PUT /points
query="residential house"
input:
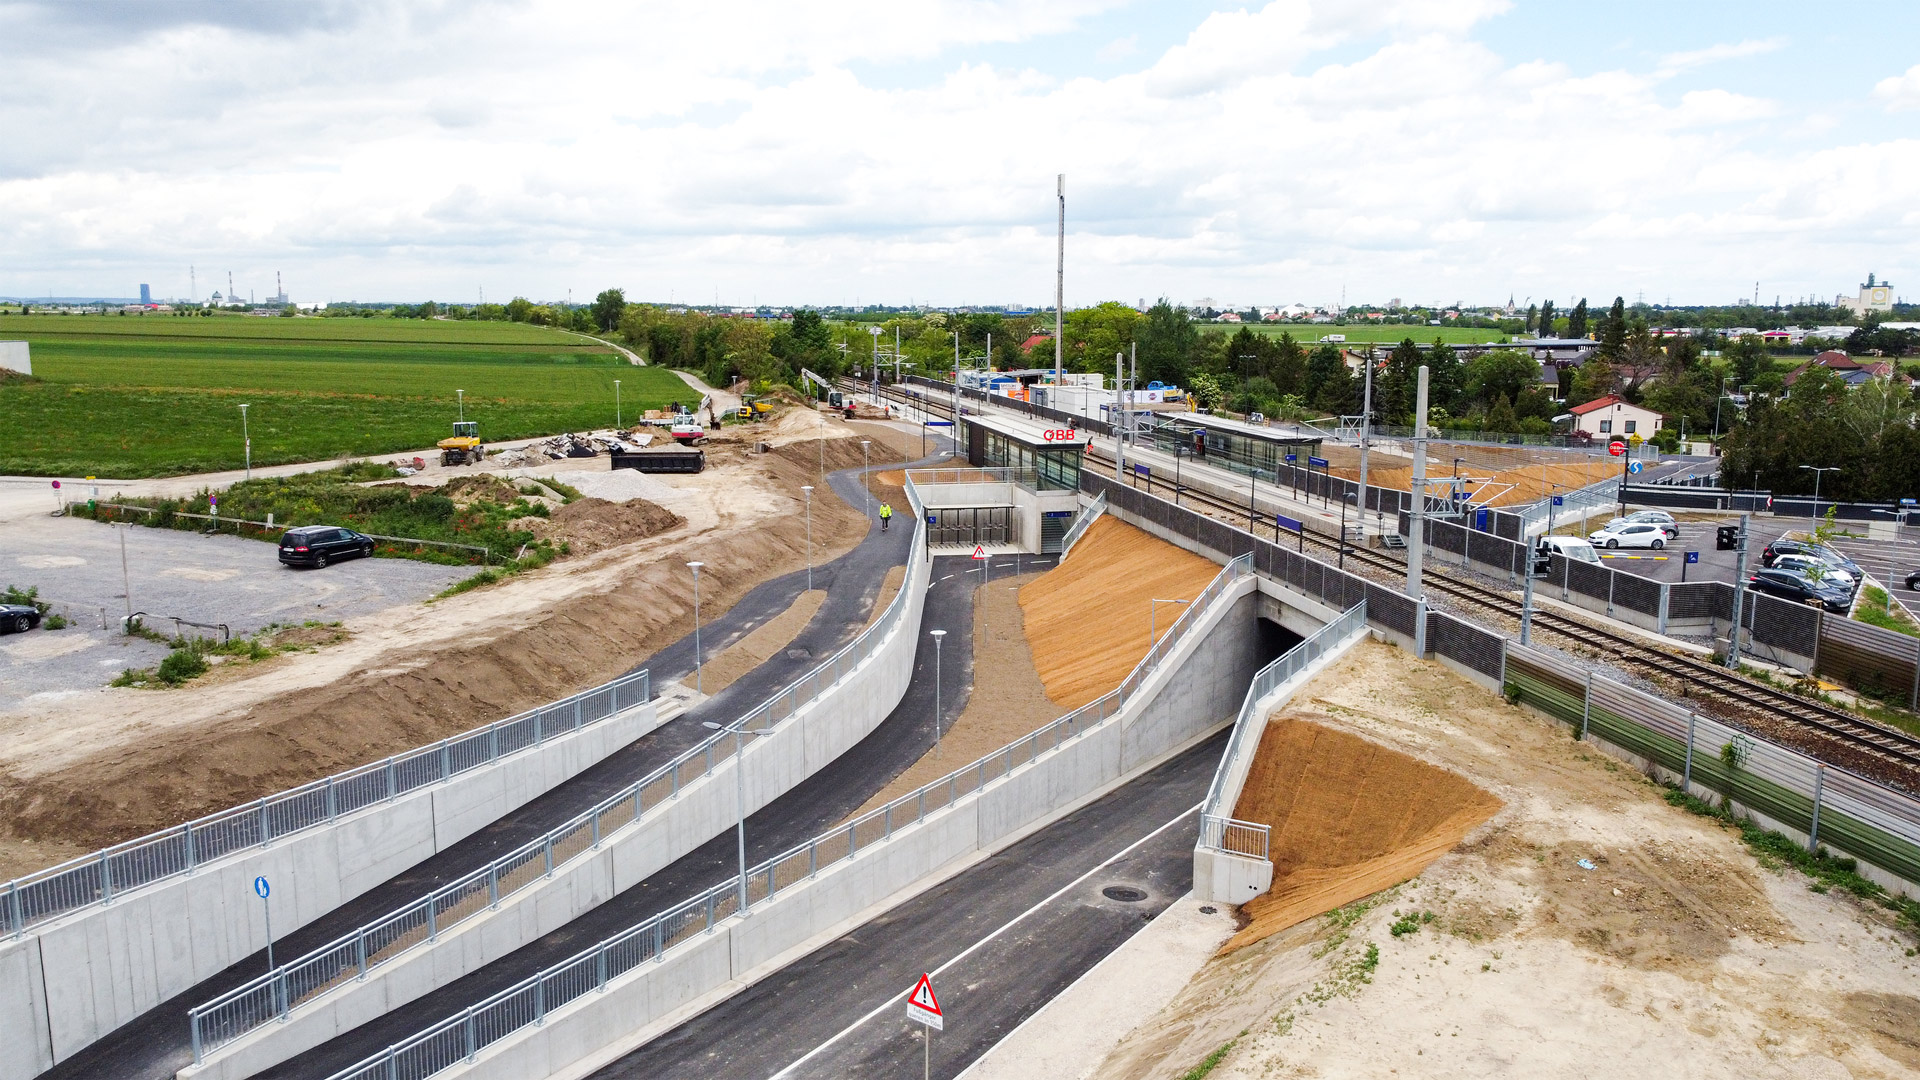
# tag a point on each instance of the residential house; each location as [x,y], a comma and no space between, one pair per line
[1610,416]
[1852,372]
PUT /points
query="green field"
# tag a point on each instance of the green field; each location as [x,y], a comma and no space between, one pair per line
[158,396]
[1311,333]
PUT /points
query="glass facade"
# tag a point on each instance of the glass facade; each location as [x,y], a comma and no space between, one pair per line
[1058,467]
[1234,450]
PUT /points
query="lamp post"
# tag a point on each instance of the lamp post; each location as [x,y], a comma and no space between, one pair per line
[1153,619]
[616,403]
[247,441]
[462,396]
[866,479]
[1341,561]
[937,636]
[808,488]
[1816,470]
[739,798]
[695,567]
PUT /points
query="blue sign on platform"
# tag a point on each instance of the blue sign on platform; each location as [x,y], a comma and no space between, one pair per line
[1559,500]
[1317,461]
[1290,459]
[1480,518]
[1142,470]
[1286,523]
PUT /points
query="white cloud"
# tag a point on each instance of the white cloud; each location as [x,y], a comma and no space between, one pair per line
[1675,62]
[401,150]
[1900,92]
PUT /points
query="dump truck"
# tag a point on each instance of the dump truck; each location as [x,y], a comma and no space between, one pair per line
[464,448]
[752,408]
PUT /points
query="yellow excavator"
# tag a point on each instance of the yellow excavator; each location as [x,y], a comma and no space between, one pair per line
[464,448]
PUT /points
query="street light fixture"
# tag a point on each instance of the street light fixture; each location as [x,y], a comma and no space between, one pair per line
[739,798]
[937,636]
[1816,470]
[1153,623]
[462,395]
[808,488]
[695,567]
[247,440]
[866,479]
[616,403]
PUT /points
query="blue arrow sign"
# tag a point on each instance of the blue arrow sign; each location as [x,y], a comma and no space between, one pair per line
[1634,466]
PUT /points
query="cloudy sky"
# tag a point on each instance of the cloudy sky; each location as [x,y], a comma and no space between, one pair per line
[905,150]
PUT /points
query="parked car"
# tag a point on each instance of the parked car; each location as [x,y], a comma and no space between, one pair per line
[1913,579]
[1793,585]
[1784,546]
[1632,535]
[18,618]
[1650,517]
[1567,547]
[318,545]
[1817,569]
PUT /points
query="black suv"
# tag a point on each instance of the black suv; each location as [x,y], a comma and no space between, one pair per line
[1812,551]
[318,545]
[1796,586]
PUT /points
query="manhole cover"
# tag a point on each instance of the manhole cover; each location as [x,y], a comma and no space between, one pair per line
[1209,909]
[798,654]
[1126,894]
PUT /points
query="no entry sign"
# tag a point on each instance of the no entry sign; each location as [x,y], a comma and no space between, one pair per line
[1616,448]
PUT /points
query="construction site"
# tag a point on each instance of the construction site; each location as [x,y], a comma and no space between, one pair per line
[909,732]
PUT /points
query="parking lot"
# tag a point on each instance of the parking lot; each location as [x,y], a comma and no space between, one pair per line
[1889,562]
[76,565]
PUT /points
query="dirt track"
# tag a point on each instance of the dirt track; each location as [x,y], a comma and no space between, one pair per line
[79,774]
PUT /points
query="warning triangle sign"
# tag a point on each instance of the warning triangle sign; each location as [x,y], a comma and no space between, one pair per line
[979,552]
[923,1006]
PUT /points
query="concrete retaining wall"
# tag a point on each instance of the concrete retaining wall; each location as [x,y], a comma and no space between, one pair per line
[775,763]
[101,967]
[1198,688]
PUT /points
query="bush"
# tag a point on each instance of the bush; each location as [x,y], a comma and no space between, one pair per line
[54,622]
[181,665]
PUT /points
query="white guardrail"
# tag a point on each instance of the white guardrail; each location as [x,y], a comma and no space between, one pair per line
[272,996]
[1219,830]
[99,878]
[459,1037]
[1081,524]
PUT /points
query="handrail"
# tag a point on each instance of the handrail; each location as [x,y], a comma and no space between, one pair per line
[1249,838]
[111,872]
[460,1037]
[1081,524]
[275,994]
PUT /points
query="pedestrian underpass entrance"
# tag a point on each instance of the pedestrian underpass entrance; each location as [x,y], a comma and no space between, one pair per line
[970,525]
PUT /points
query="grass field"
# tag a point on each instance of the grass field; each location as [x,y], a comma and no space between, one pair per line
[157,396]
[1310,333]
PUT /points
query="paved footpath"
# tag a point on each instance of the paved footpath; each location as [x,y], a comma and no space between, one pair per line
[156,1045]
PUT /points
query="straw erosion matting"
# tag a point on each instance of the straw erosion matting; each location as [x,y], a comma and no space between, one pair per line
[106,767]
[1089,621]
[1588,929]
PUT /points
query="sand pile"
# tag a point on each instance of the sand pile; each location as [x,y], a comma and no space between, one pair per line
[1089,626]
[1349,818]
[590,525]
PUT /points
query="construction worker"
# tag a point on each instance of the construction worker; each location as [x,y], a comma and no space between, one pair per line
[886,515]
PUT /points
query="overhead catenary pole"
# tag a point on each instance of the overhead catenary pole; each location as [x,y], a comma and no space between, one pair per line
[1119,432]
[1416,543]
[1739,594]
[1060,283]
[246,440]
[1366,429]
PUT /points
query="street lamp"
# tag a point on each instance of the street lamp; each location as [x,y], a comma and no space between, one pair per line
[695,567]
[866,479]
[1153,619]
[1816,470]
[616,403]
[808,488]
[247,440]
[739,798]
[462,394]
[937,636]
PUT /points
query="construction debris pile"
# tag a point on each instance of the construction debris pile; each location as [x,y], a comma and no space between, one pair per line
[572,445]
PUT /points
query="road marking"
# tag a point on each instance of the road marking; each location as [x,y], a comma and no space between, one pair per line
[976,946]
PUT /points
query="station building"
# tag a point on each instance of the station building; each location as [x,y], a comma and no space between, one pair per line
[1021,491]
[1230,444]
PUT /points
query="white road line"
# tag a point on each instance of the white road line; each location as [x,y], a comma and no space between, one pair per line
[894,1001]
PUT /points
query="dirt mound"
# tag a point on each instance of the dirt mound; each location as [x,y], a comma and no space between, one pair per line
[1349,818]
[479,487]
[1089,623]
[590,525]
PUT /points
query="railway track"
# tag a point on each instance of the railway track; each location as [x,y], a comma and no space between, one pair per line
[1711,681]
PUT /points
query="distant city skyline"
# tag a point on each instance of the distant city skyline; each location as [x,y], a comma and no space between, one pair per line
[1275,154]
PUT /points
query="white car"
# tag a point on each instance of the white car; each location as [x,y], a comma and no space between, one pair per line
[1824,572]
[1630,535]
[1650,517]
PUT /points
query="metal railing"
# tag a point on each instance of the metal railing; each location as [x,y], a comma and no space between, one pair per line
[982,474]
[1081,524]
[275,994]
[112,872]
[486,553]
[460,1037]
[1247,728]
[1249,838]
[1604,495]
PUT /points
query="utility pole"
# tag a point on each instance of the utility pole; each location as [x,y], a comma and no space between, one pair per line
[1059,286]
[1739,594]
[1119,410]
[1417,543]
[1526,600]
[1366,428]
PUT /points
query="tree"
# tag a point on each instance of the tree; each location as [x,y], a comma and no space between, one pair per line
[1613,333]
[1288,369]
[1546,318]
[1446,377]
[519,308]
[1591,380]
[1329,385]
[1167,338]
[1500,373]
[1577,322]
[1533,317]
[1749,358]
[1396,385]
[608,307]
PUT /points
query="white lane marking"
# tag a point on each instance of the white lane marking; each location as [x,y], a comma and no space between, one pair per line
[976,946]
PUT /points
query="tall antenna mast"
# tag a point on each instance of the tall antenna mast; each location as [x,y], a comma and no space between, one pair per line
[193,287]
[229,286]
[1059,285]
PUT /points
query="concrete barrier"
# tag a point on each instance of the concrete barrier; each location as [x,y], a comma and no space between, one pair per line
[105,965]
[1188,696]
[775,762]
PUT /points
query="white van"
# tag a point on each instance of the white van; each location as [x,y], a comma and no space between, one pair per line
[1567,547]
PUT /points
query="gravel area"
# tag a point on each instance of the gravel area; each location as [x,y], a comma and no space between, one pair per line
[208,579]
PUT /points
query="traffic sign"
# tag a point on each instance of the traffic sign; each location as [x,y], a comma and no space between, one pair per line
[1693,556]
[979,552]
[1616,448]
[260,887]
[56,485]
[923,1007]
[1559,500]
[1634,467]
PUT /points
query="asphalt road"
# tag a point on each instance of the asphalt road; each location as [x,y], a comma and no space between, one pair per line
[1001,940]
[1889,562]
[156,1044]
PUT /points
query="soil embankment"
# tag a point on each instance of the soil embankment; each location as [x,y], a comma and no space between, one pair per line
[121,763]
[1089,621]
[1349,818]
